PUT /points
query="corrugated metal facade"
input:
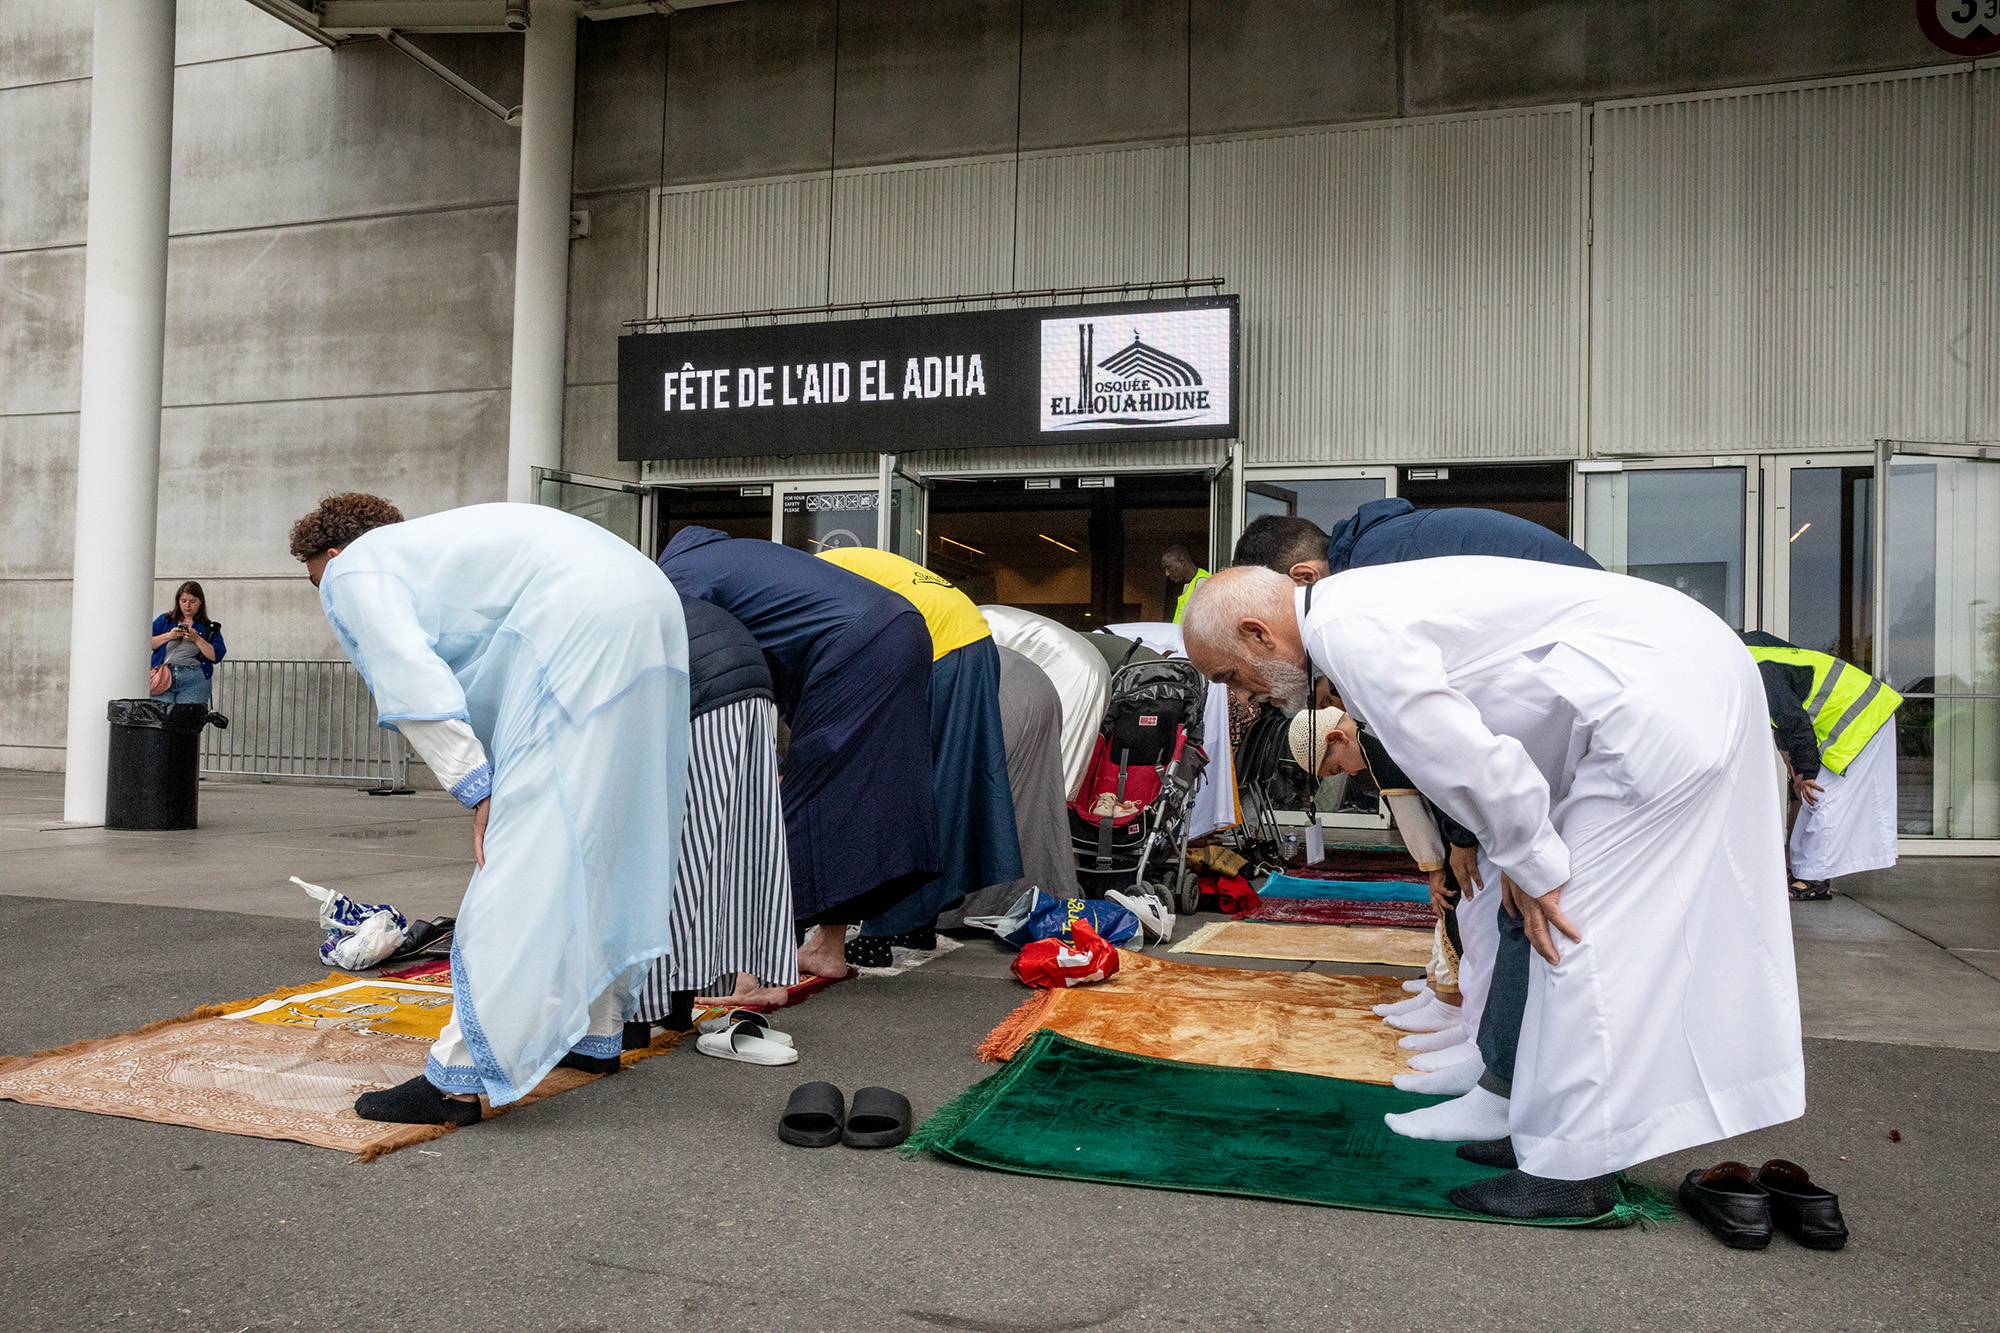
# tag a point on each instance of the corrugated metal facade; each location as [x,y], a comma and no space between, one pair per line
[1790,268]
[1804,267]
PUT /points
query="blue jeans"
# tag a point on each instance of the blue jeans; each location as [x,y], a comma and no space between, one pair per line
[190,687]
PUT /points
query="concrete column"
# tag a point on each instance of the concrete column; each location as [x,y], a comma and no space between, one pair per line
[124,340]
[541,244]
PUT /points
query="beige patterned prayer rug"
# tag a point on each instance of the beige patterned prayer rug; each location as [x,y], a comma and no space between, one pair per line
[287,1065]
[1319,944]
[1306,1022]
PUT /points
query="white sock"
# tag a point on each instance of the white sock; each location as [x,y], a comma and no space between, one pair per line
[1415,984]
[1433,1041]
[1430,1061]
[1476,1117]
[1433,1017]
[1417,1001]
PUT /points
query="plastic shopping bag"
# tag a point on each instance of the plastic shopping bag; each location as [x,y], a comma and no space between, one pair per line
[1051,964]
[1036,915]
[358,935]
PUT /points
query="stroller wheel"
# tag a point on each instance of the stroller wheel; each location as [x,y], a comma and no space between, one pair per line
[1190,894]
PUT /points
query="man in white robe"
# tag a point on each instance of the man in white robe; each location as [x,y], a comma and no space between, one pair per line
[539,665]
[1607,741]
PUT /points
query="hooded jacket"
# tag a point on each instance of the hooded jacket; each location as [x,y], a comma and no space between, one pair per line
[1386,532]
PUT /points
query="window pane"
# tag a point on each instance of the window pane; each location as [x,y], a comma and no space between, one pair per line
[828,520]
[1324,500]
[1832,567]
[1679,527]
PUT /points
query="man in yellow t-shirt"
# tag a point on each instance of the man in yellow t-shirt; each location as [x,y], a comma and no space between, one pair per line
[1179,567]
[978,841]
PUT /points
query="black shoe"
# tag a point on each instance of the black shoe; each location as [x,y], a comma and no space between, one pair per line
[637,1037]
[869,951]
[1518,1194]
[1733,1206]
[417,1102]
[590,1064]
[1493,1152]
[1805,1212]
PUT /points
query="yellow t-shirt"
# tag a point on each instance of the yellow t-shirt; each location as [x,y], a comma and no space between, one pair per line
[953,620]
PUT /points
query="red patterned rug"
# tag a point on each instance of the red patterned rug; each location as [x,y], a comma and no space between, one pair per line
[1344,912]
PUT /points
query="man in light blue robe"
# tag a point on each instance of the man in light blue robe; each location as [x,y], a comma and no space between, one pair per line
[539,664]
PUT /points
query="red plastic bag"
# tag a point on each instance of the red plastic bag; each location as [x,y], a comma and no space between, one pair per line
[1051,964]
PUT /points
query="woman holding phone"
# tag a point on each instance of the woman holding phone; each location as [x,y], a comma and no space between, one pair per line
[187,644]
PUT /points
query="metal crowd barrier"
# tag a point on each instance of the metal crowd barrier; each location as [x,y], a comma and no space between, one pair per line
[301,719]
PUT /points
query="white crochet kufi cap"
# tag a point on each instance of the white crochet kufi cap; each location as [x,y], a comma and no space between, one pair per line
[1308,735]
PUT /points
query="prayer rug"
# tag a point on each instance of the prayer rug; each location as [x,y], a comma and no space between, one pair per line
[1344,912]
[1306,1022]
[1393,860]
[1066,1109]
[1361,891]
[287,1065]
[440,972]
[1318,944]
[1410,876]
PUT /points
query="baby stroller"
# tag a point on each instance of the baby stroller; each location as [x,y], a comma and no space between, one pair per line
[1129,820]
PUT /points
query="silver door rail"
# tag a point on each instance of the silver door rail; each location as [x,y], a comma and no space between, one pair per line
[301,719]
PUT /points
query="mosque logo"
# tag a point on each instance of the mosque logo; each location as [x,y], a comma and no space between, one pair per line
[1165,368]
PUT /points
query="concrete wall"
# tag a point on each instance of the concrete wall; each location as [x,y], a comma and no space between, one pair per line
[341,262]
[339,297]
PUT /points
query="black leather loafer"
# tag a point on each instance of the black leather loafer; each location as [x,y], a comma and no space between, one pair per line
[1805,1212]
[1730,1203]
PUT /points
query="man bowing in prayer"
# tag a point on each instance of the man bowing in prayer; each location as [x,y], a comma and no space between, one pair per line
[1606,739]
[539,666]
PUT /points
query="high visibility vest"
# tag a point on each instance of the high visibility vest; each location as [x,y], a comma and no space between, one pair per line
[1180,607]
[1847,705]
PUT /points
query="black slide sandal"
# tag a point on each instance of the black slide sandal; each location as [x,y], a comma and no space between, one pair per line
[815,1116]
[878,1118]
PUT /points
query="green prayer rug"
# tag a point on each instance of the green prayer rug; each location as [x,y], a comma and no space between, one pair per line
[1064,1108]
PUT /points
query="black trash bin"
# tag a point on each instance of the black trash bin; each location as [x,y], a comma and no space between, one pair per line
[154,782]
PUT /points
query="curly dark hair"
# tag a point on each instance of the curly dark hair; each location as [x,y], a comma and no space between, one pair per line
[338,521]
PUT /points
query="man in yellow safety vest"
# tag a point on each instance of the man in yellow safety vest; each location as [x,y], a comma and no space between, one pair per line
[1179,567]
[1834,724]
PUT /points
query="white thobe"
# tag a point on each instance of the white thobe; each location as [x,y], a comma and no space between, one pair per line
[1609,737]
[1078,671]
[565,652]
[1852,827]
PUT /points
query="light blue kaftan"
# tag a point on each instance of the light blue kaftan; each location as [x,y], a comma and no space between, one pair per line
[565,650]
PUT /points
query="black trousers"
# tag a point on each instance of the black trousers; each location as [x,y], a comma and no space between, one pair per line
[1506,1003]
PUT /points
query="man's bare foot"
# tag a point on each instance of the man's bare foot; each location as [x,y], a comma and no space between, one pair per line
[747,992]
[824,954]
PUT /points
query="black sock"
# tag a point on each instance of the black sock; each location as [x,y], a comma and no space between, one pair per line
[590,1064]
[1493,1152]
[1518,1194]
[416,1102]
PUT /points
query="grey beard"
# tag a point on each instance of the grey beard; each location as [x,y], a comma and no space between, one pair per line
[1289,688]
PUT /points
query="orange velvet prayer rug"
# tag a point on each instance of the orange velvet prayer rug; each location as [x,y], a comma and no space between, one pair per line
[1319,944]
[287,1065]
[1307,1022]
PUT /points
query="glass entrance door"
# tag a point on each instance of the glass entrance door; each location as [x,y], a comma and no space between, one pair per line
[1819,563]
[1678,526]
[825,516]
[619,507]
[1937,597]
[903,496]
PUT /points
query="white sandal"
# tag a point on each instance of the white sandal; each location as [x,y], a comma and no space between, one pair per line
[747,1044]
[750,1018]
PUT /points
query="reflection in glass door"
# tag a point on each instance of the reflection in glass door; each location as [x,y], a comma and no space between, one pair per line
[619,507]
[1940,602]
[819,517]
[1680,527]
[1826,548]
[902,494]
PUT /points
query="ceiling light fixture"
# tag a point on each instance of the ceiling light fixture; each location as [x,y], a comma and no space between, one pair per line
[974,549]
[1065,545]
[1795,536]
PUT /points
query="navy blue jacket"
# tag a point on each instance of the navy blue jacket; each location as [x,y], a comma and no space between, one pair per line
[725,665]
[795,606]
[211,631]
[1387,532]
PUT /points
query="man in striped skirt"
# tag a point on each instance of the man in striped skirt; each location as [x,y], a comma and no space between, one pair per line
[732,908]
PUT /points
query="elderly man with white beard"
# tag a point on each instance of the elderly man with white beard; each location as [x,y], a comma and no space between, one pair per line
[1608,742]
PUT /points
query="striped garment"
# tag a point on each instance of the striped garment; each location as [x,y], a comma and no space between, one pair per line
[732,909]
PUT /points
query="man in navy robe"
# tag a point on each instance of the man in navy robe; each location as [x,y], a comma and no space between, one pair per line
[851,667]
